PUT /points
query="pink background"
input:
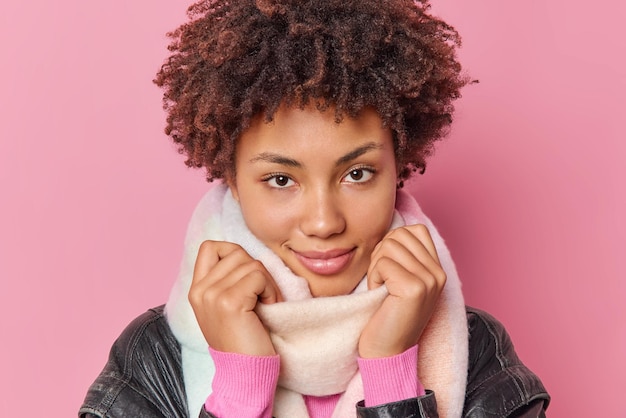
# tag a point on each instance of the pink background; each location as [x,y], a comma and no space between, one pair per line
[526,189]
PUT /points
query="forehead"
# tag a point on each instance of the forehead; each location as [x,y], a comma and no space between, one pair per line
[309,130]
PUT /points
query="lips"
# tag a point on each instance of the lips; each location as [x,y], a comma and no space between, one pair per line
[325,263]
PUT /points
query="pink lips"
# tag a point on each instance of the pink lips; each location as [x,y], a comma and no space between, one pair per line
[326,262]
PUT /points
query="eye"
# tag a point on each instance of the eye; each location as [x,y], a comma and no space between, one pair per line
[359,175]
[279,181]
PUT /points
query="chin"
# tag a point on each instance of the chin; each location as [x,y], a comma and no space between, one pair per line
[328,291]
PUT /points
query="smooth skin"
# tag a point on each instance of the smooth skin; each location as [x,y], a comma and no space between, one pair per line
[321,195]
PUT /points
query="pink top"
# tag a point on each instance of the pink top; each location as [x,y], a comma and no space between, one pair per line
[250,382]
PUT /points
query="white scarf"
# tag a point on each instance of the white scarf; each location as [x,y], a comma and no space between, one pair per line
[330,325]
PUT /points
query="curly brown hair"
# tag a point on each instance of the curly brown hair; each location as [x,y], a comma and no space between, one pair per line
[237,59]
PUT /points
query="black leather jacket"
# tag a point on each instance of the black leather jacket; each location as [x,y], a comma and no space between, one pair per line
[143,377]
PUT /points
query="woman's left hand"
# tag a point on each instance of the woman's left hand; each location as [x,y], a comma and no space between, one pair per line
[406,262]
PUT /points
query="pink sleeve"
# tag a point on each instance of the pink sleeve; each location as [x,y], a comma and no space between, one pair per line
[249,382]
[391,379]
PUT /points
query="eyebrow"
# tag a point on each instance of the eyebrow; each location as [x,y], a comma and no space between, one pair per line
[274,158]
[356,153]
[270,157]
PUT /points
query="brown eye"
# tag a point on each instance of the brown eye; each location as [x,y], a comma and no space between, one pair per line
[356,175]
[359,175]
[279,181]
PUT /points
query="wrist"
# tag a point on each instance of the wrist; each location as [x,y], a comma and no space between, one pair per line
[243,380]
[390,379]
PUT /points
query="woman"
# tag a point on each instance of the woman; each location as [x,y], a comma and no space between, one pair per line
[311,283]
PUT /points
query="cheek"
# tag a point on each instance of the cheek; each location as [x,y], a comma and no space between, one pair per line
[372,219]
[270,224]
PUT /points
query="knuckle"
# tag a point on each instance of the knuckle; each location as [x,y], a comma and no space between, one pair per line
[383,262]
[199,297]
[237,249]
[205,246]
[256,265]
[227,303]
[255,268]
[441,277]
[417,290]
[192,296]
[438,276]
[238,253]
[420,231]
[398,232]
[418,228]
[389,244]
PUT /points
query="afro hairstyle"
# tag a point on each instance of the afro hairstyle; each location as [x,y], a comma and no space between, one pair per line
[238,59]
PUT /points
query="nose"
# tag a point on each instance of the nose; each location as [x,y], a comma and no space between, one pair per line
[322,215]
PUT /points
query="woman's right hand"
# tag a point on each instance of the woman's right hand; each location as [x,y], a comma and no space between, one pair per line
[227,284]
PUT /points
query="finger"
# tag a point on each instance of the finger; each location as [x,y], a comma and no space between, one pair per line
[411,235]
[400,282]
[423,235]
[235,265]
[374,278]
[209,254]
[262,286]
[273,297]
[406,249]
[220,265]
[253,277]
[232,267]
[244,295]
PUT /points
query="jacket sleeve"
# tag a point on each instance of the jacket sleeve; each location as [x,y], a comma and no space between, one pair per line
[422,407]
[498,383]
[142,376]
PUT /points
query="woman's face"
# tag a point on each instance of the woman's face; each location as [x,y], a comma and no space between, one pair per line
[321,195]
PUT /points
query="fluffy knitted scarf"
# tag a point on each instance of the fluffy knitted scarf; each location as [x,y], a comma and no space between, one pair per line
[317,338]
